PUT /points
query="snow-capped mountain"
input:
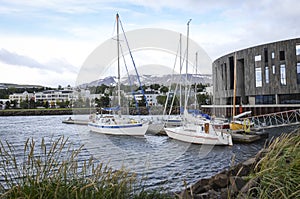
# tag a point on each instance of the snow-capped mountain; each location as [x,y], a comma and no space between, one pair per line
[153,79]
[111,80]
[167,79]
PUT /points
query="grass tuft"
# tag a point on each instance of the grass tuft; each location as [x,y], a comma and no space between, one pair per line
[54,170]
[279,171]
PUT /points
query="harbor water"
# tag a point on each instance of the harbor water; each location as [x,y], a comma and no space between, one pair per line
[164,163]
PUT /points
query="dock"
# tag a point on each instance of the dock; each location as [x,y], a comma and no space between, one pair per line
[78,122]
[267,121]
[249,137]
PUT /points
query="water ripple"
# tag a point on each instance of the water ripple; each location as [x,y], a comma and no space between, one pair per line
[164,162]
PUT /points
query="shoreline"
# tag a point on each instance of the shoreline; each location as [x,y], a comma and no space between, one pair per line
[38,112]
[69,111]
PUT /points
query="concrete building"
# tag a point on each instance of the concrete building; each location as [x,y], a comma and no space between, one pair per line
[54,96]
[265,74]
[149,94]
[18,97]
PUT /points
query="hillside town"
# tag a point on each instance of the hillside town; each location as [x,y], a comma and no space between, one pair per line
[97,96]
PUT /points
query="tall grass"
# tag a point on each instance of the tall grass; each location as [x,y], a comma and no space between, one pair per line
[278,173]
[54,170]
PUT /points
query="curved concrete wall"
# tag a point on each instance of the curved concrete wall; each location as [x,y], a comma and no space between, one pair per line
[266,74]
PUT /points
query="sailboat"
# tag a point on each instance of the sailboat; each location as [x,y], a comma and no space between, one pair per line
[197,133]
[116,124]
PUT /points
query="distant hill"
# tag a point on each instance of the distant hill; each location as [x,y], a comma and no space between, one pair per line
[153,79]
[9,85]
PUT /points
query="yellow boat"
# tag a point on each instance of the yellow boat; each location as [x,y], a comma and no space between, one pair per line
[235,126]
[238,124]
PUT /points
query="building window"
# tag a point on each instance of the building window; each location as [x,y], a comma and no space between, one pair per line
[267,74]
[273,55]
[224,74]
[273,69]
[231,72]
[258,79]
[298,73]
[258,99]
[257,58]
[289,99]
[265,99]
[216,83]
[266,55]
[282,74]
[281,55]
[297,49]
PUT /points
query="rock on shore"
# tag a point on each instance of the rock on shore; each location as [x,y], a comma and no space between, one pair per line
[247,179]
[226,184]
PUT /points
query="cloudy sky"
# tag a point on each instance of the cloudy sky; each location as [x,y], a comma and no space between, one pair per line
[45,42]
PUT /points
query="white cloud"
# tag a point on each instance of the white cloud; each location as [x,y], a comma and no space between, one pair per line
[249,24]
[21,60]
[45,49]
[66,32]
[16,59]
[50,61]
[35,76]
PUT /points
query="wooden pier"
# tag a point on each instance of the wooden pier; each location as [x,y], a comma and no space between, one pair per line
[243,137]
[78,122]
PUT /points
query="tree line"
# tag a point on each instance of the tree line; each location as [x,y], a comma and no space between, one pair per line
[103,101]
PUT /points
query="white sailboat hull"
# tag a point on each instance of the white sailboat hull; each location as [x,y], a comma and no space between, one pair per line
[138,129]
[192,136]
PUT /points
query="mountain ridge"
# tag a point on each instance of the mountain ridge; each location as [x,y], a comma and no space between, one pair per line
[10,85]
[151,79]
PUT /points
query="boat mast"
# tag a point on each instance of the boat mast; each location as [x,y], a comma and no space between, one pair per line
[195,88]
[234,86]
[180,68]
[187,63]
[118,49]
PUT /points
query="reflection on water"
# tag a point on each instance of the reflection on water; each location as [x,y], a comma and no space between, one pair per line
[165,162]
